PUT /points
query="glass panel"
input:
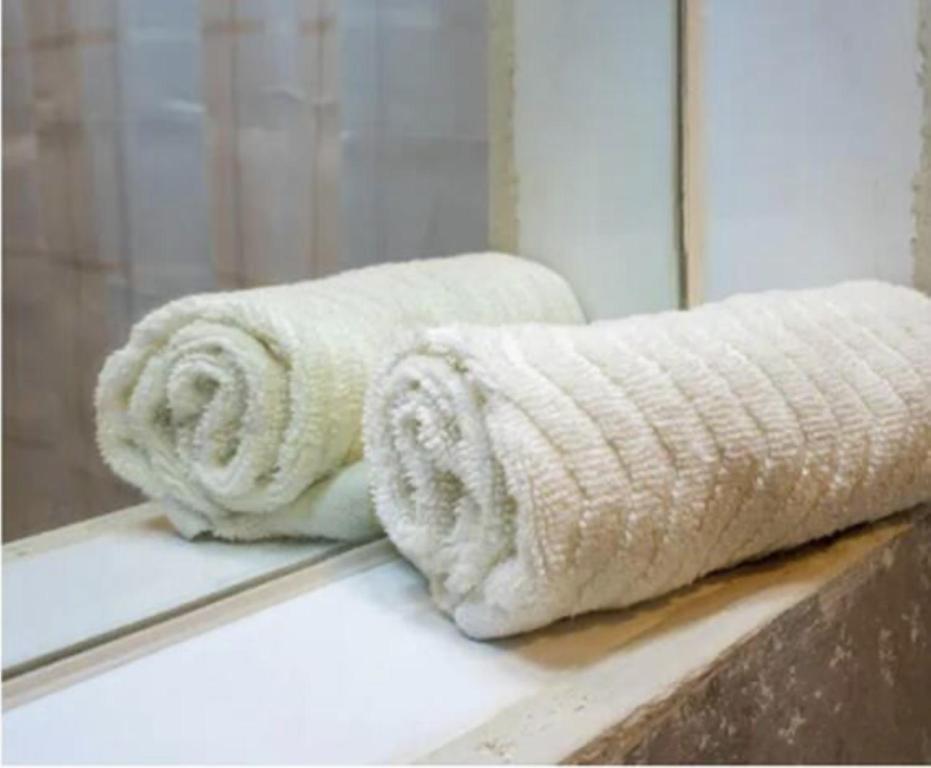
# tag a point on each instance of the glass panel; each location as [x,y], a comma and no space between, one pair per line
[154,150]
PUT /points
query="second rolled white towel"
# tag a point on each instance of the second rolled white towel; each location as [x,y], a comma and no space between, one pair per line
[231,407]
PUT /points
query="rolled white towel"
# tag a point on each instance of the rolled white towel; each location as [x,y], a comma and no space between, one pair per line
[242,410]
[534,473]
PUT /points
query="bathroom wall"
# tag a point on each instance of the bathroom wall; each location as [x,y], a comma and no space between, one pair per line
[811,139]
[594,133]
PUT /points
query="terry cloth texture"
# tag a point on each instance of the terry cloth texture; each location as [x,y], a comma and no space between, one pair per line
[533,473]
[233,408]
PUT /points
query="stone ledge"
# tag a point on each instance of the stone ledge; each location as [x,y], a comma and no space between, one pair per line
[842,677]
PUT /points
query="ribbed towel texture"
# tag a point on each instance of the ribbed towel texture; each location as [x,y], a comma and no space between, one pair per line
[534,473]
[242,410]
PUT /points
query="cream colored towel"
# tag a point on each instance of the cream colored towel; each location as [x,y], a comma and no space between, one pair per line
[534,473]
[242,411]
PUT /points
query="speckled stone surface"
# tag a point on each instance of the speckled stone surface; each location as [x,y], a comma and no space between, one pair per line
[843,677]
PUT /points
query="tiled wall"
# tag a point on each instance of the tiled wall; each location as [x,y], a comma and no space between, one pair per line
[811,139]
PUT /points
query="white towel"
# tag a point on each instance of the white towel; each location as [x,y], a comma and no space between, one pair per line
[230,407]
[534,473]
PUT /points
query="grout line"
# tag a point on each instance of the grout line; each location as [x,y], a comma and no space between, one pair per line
[691,165]
[679,154]
[921,198]
[503,226]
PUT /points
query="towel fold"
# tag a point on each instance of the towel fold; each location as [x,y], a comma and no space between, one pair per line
[239,410]
[337,507]
[534,473]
